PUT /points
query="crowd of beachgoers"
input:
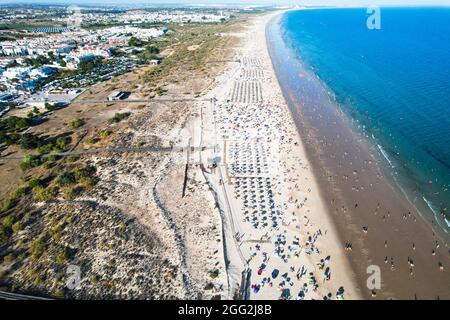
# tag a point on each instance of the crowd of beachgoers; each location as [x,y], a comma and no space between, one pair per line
[281,228]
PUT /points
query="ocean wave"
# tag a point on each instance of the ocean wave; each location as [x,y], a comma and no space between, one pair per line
[386,156]
[436,215]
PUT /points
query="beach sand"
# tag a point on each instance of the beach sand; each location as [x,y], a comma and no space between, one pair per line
[301,191]
[280,241]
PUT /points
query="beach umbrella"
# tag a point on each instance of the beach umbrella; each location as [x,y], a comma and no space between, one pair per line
[285,294]
[275,273]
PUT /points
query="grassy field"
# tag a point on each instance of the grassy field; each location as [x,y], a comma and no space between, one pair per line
[191,48]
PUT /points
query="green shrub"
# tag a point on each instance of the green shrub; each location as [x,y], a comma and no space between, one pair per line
[77,123]
[37,248]
[9,258]
[135,42]
[14,122]
[46,148]
[49,106]
[29,141]
[84,172]
[19,193]
[30,161]
[63,142]
[63,256]
[27,216]
[9,139]
[35,182]
[59,293]
[7,204]
[71,193]
[119,117]
[50,158]
[71,159]
[152,49]
[45,194]
[5,233]
[48,165]
[92,140]
[8,221]
[85,175]
[18,226]
[66,178]
[55,232]
[88,181]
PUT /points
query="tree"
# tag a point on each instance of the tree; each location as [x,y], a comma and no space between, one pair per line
[88,65]
[30,161]
[46,148]
[38,61]
[9,139]
[62,142]
[14,122]
[50,106]
[135,42]
[29,141]
[152,49]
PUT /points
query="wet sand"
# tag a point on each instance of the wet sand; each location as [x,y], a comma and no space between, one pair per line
[371,215]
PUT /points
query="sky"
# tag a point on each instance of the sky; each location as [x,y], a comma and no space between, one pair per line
[248,2]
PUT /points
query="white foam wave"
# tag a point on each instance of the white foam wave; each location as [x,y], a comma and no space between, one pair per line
[385,155]
[436,215]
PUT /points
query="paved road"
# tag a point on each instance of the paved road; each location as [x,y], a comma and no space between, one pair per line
[88,101]
[81,101]
[112,150]
[15,296]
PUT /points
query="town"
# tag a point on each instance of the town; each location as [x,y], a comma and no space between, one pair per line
[50,55]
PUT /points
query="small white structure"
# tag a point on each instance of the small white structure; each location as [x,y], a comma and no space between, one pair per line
[116,95]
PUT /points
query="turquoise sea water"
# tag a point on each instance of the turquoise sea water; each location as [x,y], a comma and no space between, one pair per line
[393,82]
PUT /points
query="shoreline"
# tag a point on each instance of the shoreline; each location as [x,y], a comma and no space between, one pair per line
[347,204]
[394,167]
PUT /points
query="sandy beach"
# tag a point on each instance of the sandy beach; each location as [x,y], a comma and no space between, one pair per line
[306,207]
[280,241]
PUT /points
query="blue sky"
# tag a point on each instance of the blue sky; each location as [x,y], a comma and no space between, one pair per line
[271,2]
